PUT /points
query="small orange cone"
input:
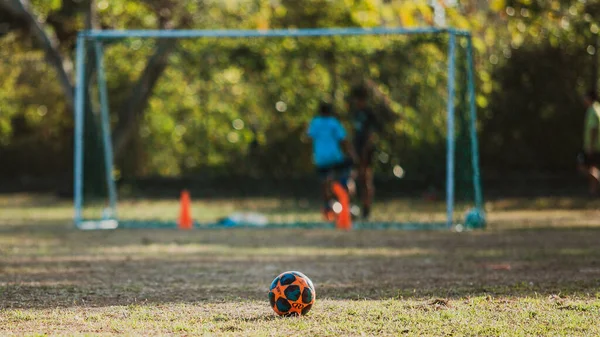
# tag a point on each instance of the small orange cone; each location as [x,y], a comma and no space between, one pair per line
[344,219]
[185,215]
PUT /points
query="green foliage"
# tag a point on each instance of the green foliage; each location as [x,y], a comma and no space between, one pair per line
[32,110]
[273,86]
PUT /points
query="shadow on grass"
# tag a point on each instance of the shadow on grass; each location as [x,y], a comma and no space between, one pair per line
[54,266]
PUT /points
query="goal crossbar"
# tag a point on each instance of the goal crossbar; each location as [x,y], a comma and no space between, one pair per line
[246,33]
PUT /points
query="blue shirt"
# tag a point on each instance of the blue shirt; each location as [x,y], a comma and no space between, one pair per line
[327,132]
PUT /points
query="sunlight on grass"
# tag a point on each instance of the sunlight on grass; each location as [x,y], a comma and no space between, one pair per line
[534,272]
[247,252]
[465,316]
[24,209]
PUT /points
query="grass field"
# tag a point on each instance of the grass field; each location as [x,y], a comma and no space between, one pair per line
[535,271]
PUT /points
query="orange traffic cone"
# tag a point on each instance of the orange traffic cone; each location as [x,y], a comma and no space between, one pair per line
[344,219]
[185,214]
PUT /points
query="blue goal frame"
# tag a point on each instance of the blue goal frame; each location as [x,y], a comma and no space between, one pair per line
[96,37]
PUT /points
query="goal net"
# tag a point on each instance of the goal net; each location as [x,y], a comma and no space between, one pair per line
[223,116]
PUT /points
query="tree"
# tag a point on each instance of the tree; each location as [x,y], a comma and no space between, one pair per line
[174,103]
[56,37]
[18,12]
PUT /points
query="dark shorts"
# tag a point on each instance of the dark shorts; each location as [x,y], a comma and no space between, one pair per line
[339,171]
[364,149]
[592,159]
[366,155]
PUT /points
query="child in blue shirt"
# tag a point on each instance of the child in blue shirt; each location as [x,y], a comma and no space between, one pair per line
[332,153]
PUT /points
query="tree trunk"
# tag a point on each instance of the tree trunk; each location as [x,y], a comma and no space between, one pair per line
[94,159]
[594,70]
[133,109]
[385,102]
[91,19]
[64,67]
[331,62]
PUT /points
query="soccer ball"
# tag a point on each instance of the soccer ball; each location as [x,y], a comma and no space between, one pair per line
[292,294]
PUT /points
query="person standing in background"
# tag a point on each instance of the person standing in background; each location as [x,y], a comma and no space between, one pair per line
[589,159]
[364,124]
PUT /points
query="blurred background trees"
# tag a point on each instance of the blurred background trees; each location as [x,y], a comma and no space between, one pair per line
[206,106]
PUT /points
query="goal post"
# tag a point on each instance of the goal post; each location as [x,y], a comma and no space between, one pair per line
[95,40]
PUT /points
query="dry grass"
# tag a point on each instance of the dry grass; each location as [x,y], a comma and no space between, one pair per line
[535,271]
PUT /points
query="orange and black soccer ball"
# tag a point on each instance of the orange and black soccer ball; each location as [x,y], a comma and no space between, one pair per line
[292,294]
